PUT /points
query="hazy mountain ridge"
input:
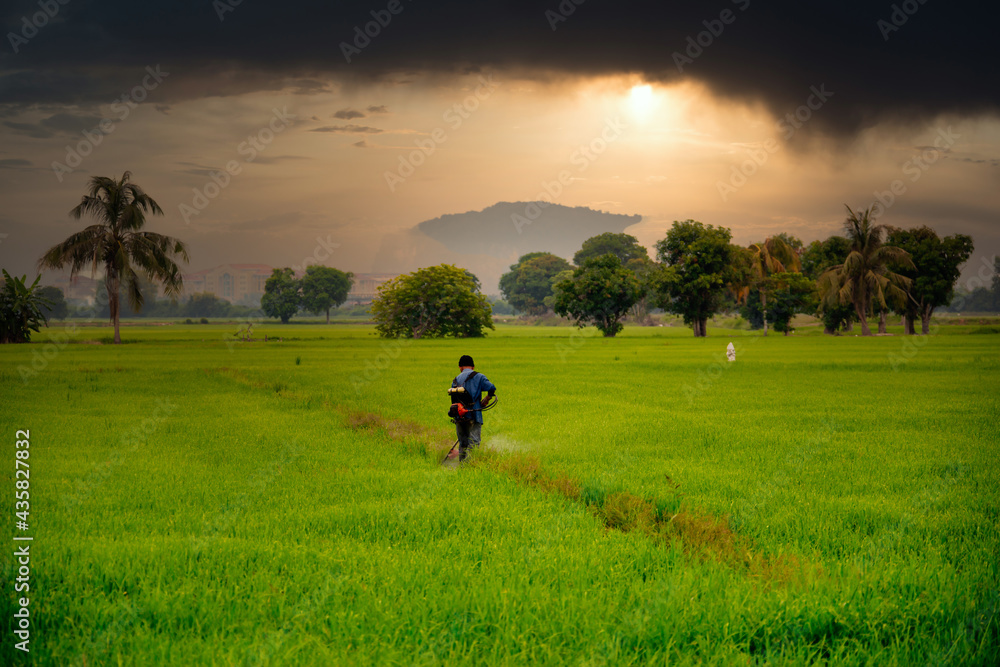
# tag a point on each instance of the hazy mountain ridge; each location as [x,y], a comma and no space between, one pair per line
[487,242]
[506,228]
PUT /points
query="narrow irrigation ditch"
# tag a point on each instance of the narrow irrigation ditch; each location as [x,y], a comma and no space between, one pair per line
[700,534]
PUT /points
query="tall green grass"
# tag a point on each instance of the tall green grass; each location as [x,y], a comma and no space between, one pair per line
[202,502]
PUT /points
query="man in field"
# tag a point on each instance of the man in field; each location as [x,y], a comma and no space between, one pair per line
[469,431]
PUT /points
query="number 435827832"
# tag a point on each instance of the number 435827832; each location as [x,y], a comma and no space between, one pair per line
[21,454]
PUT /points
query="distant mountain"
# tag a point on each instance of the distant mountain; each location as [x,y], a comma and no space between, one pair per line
[487,242]
[517,228]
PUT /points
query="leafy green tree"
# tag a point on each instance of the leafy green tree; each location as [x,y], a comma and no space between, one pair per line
[324,288]
[792,293]
[865,279]
[529,282]
[601,291]
[624,246]
[979,299]
[166,308]
[435,302]
[149,306]
[774,255]
[935,269]
[836,317]
[648,273]
[21,309]
[501,307]
[740,281]
[562,276]
[792,242]
[818,257]
[206,304]
[117,245]
[699,267]
[281,295]
[58,310]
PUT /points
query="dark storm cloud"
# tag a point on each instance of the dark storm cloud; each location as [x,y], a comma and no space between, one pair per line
[309,87]
[378,108]
[15,163]
[991,162]
[348,129]
[29,129]
[196,169]
[902,61]
[60,123]
[278,159]
[349,114]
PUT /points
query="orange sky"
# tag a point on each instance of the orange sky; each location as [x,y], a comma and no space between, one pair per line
[619,144]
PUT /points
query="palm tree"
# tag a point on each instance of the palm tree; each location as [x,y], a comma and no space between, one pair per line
[864,279]
[117,245]
[774,255]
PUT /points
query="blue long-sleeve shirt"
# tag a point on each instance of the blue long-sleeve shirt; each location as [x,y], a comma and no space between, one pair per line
[476,386]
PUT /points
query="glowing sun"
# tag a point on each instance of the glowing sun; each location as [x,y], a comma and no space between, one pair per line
[642,101]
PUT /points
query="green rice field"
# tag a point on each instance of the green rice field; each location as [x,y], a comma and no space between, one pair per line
[637,500]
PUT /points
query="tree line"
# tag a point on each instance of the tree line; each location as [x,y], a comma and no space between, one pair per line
[133,261]
[869,271]
[321,289]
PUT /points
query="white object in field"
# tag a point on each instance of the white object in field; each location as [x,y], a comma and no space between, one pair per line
[731,352]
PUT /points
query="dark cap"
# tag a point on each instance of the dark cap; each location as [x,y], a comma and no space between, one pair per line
[466,360]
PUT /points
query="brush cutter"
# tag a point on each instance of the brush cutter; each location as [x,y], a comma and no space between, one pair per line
[462,410]
[449,452]
[461,407]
